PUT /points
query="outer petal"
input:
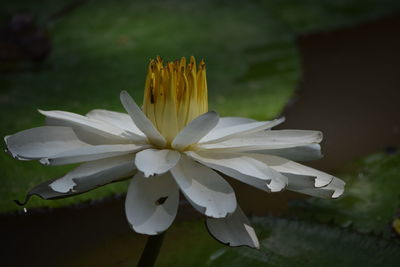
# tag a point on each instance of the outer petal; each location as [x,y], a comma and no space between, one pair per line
[230,121]
[233,131]
[96,173]
[42,142]
[89,153]
[90,129]
[151,203]
[118,119]
[156,161]
[299,153]
[287,166]
[234,230]
[141,121]
[195,130]
[243,168]
[300,182]
[275,139]
[85,177]
[205,189]
[333,190]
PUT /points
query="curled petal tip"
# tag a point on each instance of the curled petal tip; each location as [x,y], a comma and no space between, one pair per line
[45,161]
[24,202]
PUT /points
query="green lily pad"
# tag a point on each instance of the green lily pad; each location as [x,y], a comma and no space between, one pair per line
[295,243]
[370,201]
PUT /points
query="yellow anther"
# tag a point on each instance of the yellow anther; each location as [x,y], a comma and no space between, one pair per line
[175,94]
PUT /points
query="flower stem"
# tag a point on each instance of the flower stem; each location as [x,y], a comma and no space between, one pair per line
[151,250]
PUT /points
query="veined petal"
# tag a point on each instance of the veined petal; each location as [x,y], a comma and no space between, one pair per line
[243,168]
[195,130]
[85,177]
[208,192]
[333,190]
[233,131]
[298,153]
[118,119]
[156,161]
[89,153]
[92,174]
[40,142]
[151,203]
[231,121]
[88,126]
[287,166]
[274,139]
[234,230]
[141,121]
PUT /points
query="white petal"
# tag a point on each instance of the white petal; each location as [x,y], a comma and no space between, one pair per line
[243,168]
[151,203]
[156,161]
[275,139]
[94,174]
[299,182]
[195,130]
[141,121]
[234,230]
[118,119]
[287,166]
[89,153]
[230,121]
[338,186]
[333,190]
[42,142]
[229,132]
[299,153]
[85,177]
[90,127]
[208,192]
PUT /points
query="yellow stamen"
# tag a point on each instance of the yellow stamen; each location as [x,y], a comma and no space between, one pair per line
[175,94]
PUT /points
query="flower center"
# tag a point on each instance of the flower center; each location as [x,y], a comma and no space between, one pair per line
[175,94]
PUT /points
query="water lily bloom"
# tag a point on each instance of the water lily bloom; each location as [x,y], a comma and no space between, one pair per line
[174,144]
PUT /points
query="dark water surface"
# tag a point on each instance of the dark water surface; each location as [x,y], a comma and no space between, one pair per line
[350,90]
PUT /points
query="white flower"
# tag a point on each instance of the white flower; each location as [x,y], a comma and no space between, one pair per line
[175,144]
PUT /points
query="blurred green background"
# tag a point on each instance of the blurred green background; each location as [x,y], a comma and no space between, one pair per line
[99,48]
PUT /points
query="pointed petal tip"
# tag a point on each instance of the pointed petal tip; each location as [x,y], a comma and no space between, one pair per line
[123,93]
[63,186]
[233,231]
[141,121]
[43,112]
[319,183]
[279,120]
[338,193]
[214,112]
[45,161]
[320,137]
[125,96]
